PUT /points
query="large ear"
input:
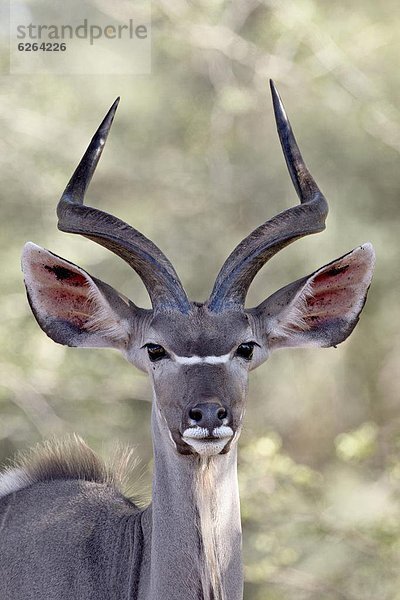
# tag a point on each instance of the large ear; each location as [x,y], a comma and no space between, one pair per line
[72,307]
[321,309]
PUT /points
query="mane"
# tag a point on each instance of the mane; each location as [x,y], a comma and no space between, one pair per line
[68,458]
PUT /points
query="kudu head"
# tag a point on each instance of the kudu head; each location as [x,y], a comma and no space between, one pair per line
[198,355]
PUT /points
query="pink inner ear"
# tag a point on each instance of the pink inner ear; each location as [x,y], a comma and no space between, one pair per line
[48,274]
[326,307]
[331,294]
[337,291]
[65,275]
[68,302]
[60,291]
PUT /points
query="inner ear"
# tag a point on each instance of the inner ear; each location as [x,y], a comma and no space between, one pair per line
[321,309]
[335,292]
[72,307]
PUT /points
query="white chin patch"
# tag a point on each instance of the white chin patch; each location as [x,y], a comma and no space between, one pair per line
[199,439]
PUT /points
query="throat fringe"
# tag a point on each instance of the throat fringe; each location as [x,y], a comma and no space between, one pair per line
[209,526]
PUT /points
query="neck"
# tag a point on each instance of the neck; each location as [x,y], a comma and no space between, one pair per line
[196,533]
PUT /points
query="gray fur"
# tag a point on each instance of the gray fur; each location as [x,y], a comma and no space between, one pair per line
[59,539]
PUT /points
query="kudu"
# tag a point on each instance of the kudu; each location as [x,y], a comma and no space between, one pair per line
[66,529]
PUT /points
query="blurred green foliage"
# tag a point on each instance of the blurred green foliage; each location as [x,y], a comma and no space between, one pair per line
[193,162]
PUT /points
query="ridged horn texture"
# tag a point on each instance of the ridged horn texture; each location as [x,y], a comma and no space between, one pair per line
[155,270]
[256,249]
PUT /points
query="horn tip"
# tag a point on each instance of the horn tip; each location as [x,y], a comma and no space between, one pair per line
[115,104]
[274,91]
[106,124]
[279,109]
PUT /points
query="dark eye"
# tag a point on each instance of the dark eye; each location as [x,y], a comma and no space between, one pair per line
[155,352]
[245,350]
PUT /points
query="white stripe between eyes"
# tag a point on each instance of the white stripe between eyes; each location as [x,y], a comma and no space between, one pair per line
[194,360]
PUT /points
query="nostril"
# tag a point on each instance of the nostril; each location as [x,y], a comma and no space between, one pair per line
[222,414]
[195,414]
[207,415]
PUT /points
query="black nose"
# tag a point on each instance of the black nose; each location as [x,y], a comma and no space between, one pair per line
[208,415]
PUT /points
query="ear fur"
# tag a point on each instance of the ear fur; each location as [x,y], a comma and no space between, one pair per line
[321,309]
[72,307]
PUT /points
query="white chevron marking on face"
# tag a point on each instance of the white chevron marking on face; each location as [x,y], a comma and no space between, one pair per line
[195,360]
